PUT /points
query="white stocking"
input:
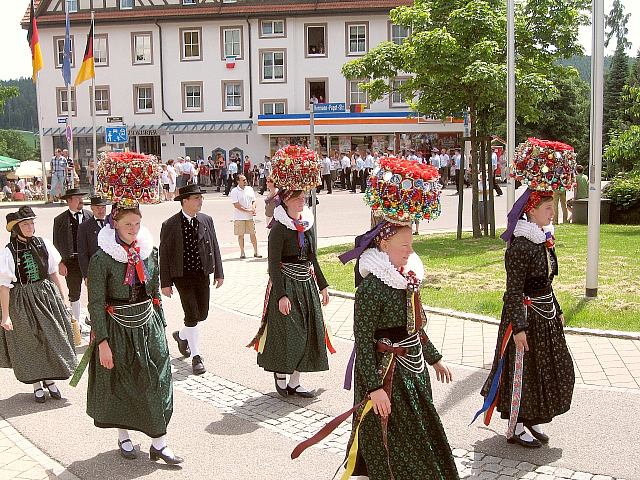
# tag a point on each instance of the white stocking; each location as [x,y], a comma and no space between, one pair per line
[122,436]
[192,335]
[76,310]
[160,443]
[294,381]
[522,433]
[36,386]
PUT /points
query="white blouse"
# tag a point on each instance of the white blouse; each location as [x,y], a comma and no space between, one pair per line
[8,266]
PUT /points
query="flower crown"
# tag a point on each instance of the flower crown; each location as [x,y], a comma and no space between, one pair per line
[545,165]
[404,191]
[295,168]
[128,174]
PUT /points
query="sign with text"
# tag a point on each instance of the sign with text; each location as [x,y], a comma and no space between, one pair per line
[62,119]
[329,108]
[115,120]
[116,134]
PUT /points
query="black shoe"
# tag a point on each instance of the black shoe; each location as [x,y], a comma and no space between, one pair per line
[168,459]
[183,345]
[294,391]
[55,394]
[525,443]
[128,454]
[37,398]
[282,391]
[198,365]
[543,437]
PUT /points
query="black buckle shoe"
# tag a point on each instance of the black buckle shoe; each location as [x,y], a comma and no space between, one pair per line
[128,454]
[543,437]
[524,443]
[168,459]
[198,365]
[295,391]
[55,394]
[282,391]
[39,399]
[183,345]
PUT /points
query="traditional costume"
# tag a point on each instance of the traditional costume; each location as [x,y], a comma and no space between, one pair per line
[297,342]
[391,345]
[39,348]
[531,388]
[88,236]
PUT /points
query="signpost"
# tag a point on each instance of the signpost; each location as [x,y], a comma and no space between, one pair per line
[329,108]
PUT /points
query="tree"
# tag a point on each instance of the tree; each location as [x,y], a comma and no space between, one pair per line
[13,145]
[456,56]
[21,112]
[613,88]
[622,154]
[5,94]
[616,24]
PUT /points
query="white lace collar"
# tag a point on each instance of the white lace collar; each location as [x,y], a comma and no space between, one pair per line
[107,242]
[280,214]
[532,232]
[373,261]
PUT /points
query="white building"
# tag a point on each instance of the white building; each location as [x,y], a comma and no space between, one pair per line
[198,77]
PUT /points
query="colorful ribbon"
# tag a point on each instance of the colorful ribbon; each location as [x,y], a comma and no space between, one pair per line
[82,366]
[135,265]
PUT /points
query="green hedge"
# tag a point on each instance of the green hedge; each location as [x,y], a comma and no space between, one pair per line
[624,190]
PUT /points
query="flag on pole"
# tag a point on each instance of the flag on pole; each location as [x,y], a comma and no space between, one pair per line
[66,59]
[34,44]
[87,69]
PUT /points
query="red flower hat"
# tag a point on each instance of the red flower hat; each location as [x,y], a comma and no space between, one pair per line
[545,165]
[296,168]
[128,174]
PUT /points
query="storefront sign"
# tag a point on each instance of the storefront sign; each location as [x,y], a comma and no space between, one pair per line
[143,133]
[329,108]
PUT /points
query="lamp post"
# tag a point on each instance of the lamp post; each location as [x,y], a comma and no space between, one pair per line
[511,101]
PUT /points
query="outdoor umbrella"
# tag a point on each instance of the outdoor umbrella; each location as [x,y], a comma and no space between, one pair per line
[7,163]
[30,169]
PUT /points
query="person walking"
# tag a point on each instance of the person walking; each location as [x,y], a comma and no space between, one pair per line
[130,386]
[58,165]
[325,170]
[232,176]
[244,211]
[189,254]
[494,169]
[36,338]
[88,233]
[560,197]
[270,201]
[345,175]
[171,174]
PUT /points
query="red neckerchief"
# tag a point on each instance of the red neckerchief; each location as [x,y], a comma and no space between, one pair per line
[135,265]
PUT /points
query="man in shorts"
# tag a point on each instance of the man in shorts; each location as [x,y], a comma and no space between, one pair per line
[244,203]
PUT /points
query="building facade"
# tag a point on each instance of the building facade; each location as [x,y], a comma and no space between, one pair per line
[198,77]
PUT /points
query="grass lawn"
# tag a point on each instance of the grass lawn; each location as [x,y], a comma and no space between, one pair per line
[29,137]
[469,275]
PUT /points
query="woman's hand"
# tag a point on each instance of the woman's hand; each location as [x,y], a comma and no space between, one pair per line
[325,296]
[284,305]
[443,373]
[106,357]
[7,324]
[381,402]
[521,340]
[62,269]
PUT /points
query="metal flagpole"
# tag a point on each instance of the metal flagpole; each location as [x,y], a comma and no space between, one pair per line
[93,116]
[595,159]
[312,144]
[40,128]
[69,129]
[511,101]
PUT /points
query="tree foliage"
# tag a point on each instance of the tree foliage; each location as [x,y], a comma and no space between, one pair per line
[13,145]
[616,25]
[613,90]
[20,112]
[5,94]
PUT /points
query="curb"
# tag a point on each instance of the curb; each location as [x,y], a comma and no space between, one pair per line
[494,321]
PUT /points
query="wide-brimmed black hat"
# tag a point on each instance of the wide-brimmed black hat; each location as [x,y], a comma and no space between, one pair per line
[74,192]
[98,201]
[23,213]
[184,192]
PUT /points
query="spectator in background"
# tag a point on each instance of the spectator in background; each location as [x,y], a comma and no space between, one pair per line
[255,176]
[366,171]
[335,167]
[444,167]
[18,195]
[247,170]
[325,170]
[58,166]
[221,167]
[232,176]
[244,203]
[164,176]
[270,201]
[345,175]
[582,189]
[178,167]
[494,168]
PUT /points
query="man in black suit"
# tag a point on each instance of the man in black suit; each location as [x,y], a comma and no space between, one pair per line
[189,253]
[88,233]
[65,239]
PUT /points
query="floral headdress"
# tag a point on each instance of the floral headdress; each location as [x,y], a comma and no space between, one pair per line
[545,165]
[404,191]
[295,168]
[128,174]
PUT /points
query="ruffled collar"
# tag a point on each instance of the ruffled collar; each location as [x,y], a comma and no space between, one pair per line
[373,261]
[107,242]
[532,232]
[280,214]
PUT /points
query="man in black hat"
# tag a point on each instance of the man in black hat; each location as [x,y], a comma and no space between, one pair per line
[88,233]
[189,253]
[65,239]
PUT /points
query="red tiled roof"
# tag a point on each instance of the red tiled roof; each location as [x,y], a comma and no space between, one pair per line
[252,9]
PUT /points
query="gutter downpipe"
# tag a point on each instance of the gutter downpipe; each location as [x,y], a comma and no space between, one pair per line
[250,71]
[161,72]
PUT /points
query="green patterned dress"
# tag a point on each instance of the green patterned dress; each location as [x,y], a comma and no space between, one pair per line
[137,393]
[418,446]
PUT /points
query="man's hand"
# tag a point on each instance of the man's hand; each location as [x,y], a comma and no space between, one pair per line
[219,282]
[62,269]
[167,291]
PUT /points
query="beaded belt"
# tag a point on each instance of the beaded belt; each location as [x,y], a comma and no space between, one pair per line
[414,362]
[543,305]
[296,271]
[134,315]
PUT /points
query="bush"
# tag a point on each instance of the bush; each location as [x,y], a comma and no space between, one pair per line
[624,190]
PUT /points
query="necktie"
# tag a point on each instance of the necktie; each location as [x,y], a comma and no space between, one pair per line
[100,223]
[78,216]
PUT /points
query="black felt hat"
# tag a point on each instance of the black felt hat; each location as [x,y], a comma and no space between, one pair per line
[98,201]
[184,192]
[23,213]
[74,192]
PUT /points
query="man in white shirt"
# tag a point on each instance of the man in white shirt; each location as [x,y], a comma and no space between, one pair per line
[494,167]
[244,203]
[345,175]
[444,167]
[178,168]
[360,173]
[325,170]
[232,176]
[435,159]
[188,171]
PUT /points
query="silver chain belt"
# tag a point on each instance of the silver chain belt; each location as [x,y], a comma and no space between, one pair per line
[134,320]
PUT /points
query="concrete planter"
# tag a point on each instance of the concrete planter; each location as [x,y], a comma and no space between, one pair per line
[580,212]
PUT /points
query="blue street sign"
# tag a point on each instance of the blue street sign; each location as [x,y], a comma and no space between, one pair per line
[329,108]
[116,134]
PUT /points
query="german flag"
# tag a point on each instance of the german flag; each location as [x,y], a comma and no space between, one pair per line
[87,69]
[34,44]
[357,107]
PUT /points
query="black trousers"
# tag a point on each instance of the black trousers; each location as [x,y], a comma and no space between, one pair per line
[73,278]
[194,293]
[355,178]
[346,178]
[326,182]
[232,181]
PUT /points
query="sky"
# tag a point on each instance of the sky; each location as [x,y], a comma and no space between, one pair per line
[15,57]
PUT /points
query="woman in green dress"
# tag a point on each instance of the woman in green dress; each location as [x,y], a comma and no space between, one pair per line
[130,385]
[36,339]
[292,337]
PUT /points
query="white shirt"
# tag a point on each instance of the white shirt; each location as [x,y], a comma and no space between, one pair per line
[456,159]
[165,176]
[178,167]
[494,160]
[368,162]
[245,197]
[233,169]
[171,173]
[187,168]
[345,162]
[326,166]
[435,161]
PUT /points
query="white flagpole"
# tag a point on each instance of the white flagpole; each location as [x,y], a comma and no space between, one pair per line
[93,115]
[511,102]
[40,128]
[69,128]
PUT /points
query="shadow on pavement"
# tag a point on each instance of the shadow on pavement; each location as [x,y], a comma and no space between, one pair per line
[110,465]
[498,446]
[231,425]
[462,388]
[22,404]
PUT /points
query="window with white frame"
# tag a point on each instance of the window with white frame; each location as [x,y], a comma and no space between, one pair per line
[272,28]
[100,50]
[190,39]
[58,46]
[232,96]
[143,98]
[399,33]
[141,48]
[232,42]
[102,101]
[356,38]
[63,101]
[72,6]
[274,107]
[273,66]
[316,40]
[192,97]
[126,4]
[356,93]
[398,99]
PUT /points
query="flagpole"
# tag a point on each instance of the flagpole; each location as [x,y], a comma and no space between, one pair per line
[93,116]
[69,129]
[40,128]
